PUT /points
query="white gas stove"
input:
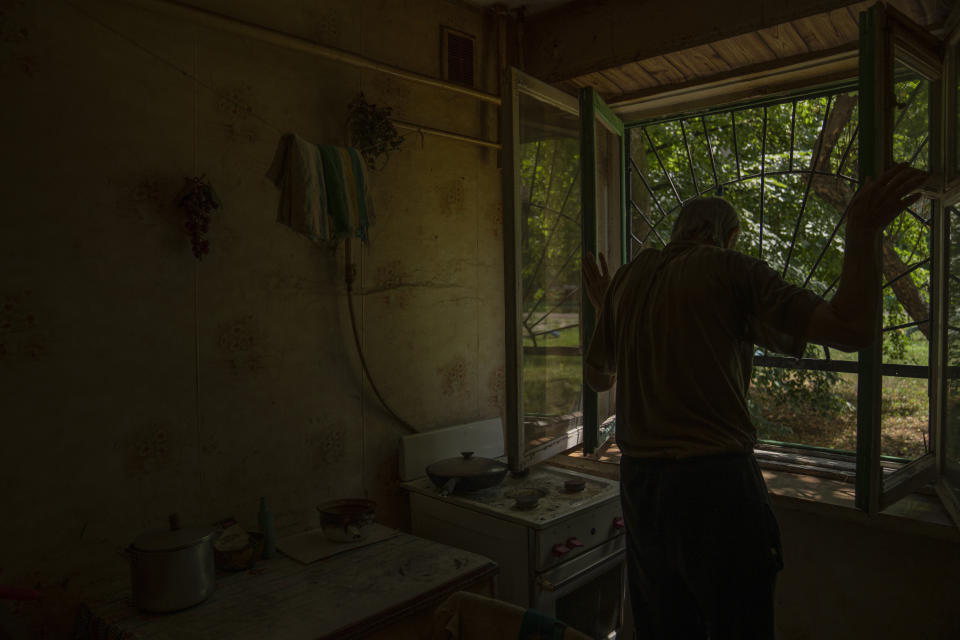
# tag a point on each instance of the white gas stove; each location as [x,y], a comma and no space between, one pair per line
[562,555]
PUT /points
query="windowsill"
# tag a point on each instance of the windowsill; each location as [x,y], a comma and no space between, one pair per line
[916,514]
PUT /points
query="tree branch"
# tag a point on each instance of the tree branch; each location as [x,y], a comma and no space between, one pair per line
[838,193]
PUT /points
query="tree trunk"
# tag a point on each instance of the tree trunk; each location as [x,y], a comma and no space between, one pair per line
[838,193]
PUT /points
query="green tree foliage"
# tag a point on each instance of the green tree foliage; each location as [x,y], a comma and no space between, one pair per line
[789,168]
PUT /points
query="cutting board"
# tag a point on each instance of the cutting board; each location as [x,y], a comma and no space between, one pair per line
[310,546]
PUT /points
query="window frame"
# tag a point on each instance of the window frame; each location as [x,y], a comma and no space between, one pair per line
[594,114]
[595,427]
[886,35]
[515,83]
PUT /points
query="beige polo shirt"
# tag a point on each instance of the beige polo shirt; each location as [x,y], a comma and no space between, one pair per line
[679,328]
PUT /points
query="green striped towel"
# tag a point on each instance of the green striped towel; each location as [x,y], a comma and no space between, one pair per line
[323,189]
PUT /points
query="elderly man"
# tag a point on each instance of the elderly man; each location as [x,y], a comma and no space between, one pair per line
[677,329]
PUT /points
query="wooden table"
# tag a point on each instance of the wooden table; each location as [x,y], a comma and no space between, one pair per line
[386,589]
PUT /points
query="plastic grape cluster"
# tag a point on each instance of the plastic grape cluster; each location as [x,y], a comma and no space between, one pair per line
[198,200]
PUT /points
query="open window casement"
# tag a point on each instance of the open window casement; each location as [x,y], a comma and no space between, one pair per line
[552,161]
[605,230]
[908,114]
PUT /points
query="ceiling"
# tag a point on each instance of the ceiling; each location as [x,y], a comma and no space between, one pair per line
[815,36]
[529,6]
[804,42]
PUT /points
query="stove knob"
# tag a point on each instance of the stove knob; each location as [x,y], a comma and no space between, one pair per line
[618,523]
[573,543]
[560,550]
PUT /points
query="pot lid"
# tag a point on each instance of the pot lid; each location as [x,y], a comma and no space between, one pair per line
[466,466]
[172,538]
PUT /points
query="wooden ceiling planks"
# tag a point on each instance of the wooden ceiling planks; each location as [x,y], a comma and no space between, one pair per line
[661,70]
[827,32]
[783,40]
[698,61]
[639,76]
[617,76]
[743,50]
[600,82]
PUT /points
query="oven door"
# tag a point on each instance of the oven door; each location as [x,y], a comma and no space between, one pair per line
[586,592]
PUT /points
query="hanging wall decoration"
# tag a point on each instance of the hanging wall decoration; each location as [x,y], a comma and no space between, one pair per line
[371,132]
[198,200]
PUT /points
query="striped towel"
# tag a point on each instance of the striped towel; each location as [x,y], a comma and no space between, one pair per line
[323,189]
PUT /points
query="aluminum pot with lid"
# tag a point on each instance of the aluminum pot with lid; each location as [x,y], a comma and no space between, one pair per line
[172,569]
[466,473]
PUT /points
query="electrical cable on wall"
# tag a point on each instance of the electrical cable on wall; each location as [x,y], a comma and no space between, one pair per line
[348,277]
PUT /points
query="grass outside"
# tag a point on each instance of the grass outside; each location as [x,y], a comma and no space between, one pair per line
[551,384]
[904,408]
[552,387]
[905,412]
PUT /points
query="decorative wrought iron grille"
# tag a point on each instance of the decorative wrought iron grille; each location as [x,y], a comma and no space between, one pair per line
[790,166]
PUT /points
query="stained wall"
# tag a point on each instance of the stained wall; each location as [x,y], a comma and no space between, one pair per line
[137,381]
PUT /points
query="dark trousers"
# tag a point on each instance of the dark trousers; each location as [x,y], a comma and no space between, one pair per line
[703,548]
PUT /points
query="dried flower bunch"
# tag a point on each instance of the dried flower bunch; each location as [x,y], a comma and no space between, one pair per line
[371,131]
[198,200]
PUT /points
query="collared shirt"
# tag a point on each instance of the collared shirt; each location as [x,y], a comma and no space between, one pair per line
[678,327]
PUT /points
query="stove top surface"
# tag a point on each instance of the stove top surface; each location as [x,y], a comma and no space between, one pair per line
[548,484]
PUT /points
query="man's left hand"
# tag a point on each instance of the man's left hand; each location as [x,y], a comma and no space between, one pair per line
[596,279]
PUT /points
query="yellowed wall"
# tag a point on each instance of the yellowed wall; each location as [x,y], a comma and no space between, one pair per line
[846,579]
[136,381]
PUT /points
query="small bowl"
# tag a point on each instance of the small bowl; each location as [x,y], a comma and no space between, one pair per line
[240,559]
[347,520]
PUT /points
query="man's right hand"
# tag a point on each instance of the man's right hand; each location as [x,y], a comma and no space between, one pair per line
[849,320]
[881,199]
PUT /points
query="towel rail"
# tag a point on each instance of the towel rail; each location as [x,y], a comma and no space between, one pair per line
[447,134]
[239,27]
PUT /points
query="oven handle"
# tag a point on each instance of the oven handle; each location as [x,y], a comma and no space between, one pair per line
[548,585]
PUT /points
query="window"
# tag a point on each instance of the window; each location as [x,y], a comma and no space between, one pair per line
[886,417]
[562,163]
[542,234]
[790,166]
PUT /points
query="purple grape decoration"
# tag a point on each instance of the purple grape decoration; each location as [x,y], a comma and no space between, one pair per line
[198,200]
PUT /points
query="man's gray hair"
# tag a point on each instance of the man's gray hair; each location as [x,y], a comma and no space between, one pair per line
[706,220]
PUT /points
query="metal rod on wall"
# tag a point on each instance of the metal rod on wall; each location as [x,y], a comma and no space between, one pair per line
[446,134]
[239,27]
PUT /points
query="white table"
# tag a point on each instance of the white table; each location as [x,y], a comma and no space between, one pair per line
[350,595]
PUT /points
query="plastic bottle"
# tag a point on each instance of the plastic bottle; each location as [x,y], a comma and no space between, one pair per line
[266,528]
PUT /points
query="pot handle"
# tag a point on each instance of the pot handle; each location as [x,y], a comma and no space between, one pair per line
[448,488]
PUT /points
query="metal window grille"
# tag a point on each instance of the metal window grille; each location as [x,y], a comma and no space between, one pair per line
[790,166]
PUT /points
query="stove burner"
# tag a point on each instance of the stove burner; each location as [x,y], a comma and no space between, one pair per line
[574,485]
[527,501]
[526,498]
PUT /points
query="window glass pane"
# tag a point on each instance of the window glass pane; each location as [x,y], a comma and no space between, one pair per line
[550,269]
[951,431]
[608,220]
[813,408]
[911,117]
[905,407]
[653,202]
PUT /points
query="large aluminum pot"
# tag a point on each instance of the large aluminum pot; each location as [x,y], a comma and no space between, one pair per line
[172,569]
